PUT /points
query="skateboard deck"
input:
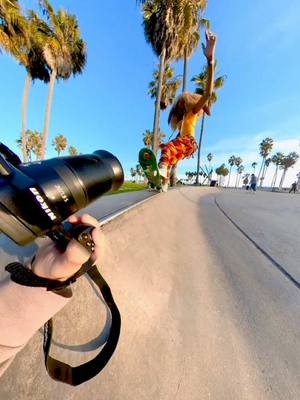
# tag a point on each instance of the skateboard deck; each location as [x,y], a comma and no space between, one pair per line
[148,162]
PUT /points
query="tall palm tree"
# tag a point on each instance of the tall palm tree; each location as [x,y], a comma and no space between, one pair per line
[231,162]
[189,38]
[59,143]
[30,54]
[276,159]
[64,52]
[12,24]
[237,162]
[209,159]
[286,163]
[240,170]
[170,85]
[266,165]
[201,82]
[253,165]
[265,148]
[162,21]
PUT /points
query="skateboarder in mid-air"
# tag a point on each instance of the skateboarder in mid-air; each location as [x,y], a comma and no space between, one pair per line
[187,109]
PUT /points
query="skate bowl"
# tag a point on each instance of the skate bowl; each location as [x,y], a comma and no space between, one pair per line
[148,276]
[203,311]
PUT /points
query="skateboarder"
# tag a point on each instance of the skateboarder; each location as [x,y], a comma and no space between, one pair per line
[187,109]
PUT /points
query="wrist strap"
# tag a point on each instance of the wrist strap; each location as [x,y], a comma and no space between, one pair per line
[59,370]
[24,276]
[74,376]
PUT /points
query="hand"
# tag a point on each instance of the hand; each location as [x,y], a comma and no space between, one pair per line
[51,263]
[209,49]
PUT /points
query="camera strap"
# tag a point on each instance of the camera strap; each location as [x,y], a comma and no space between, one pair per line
[74,376]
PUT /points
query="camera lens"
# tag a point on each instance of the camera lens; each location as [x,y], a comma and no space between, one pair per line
[38,196]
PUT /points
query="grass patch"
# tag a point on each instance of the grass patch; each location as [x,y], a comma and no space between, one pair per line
[129,187]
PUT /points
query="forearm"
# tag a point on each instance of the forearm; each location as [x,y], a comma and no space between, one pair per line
[208,88]
[23,311]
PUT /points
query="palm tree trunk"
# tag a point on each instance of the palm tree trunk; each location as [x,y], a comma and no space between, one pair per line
[47,113]
[229,176]
[274,178]
[157,101]
[236,180]
[282,179]
[261,167]
[199,147]
[185,72]
[24,105]
[173,174]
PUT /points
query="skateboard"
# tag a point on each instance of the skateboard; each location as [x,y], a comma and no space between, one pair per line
[148,162]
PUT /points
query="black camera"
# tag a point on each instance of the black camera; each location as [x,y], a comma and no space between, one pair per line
[35,198]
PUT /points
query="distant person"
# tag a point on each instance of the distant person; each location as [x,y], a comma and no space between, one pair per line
[253,182]
[246,182]
[186,111]
[293,187]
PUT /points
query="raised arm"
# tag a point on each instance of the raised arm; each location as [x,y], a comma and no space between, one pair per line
[209,52]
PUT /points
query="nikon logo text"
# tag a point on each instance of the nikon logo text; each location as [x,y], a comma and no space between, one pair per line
[43,204]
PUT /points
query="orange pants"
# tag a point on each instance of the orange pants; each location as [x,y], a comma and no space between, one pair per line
[176,150]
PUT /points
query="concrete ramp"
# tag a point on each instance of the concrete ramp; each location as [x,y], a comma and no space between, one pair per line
[152,261]
[205,315]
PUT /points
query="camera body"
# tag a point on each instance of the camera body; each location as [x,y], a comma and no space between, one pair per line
[35,198]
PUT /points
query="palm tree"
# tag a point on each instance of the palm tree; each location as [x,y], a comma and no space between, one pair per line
[209,159]
[240,170]
[221,171]
[190,33]
[265,148]
[64,52]
[33,144]
[12,25]
[30,54]
[276,159]
[147,138]
[189,38]
[253,165]
[231,162]
[286,163]
[132,173]
[237,162]
[201,82]
[266,165]
[139,171]
[59,143]
[170,85]
[162,21]
[73,151]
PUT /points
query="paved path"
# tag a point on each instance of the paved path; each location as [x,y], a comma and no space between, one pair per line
[210,306]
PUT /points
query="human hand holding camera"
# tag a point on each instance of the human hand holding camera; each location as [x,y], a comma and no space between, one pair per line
[52,263]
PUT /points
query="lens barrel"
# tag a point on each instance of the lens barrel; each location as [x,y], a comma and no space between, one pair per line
[36,197]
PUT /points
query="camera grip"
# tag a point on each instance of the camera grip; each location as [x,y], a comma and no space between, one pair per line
[82,233]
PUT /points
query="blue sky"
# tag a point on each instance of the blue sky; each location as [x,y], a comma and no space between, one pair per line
[108,107]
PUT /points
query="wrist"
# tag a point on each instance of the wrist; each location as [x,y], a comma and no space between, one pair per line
[211,61]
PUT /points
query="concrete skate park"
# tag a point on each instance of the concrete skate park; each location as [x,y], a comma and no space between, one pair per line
[207,282]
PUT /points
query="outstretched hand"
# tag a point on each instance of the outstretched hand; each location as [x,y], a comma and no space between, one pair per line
[51,263]
[209,49]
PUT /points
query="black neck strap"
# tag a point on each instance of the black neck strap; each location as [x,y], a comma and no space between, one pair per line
[76,375]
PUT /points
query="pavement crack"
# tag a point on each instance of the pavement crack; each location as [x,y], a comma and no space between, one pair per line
[260,249]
